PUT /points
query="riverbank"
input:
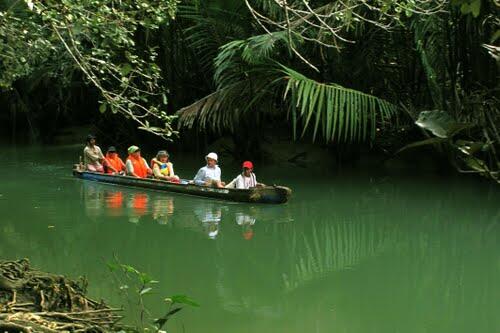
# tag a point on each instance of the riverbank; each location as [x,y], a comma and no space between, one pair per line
[36,301]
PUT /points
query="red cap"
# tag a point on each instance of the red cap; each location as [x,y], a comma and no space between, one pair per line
[248,165]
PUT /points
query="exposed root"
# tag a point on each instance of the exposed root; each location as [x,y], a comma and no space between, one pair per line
[35,301]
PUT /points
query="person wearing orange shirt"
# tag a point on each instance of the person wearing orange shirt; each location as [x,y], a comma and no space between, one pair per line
[136,165]
[113,164]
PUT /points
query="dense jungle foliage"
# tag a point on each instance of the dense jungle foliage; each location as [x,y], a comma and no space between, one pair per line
[380,74]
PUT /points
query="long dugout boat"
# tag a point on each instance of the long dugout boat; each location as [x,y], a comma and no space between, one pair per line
[267,194]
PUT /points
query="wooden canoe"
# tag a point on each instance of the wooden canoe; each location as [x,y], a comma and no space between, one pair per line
[268,194]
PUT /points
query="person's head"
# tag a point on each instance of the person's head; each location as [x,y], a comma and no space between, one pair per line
[211,159]
[162,156]
[90,140]
[247,168]
[112,151]
[134,151]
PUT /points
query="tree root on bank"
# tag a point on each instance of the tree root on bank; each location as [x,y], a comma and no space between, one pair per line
[34,301]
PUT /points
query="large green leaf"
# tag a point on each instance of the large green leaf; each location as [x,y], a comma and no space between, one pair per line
[346,114]
[426,142]
[440,123]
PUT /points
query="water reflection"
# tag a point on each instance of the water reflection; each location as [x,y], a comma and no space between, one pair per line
[246,223]
[200,215]
[162,209]
[209,215]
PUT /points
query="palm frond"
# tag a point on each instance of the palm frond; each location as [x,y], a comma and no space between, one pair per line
[339,113]
[259,48]
[209,29]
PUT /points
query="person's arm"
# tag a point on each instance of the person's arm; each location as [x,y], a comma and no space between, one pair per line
[232,184]
[173,177]
[157,171]
[108,165]
[257,184]
[100,155]
[150,172]
[171,169]
[199,179]
[123,166]
[218,175]
[130,169]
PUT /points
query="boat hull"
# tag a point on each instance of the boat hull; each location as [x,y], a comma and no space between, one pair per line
[268,194]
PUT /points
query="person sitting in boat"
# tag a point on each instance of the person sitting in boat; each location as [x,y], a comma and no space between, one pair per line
[92,155]
[113,164]
[136,165]
[246,179]
[209,175]
[162,168]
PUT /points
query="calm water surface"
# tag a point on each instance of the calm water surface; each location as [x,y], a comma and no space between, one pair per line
[351,252]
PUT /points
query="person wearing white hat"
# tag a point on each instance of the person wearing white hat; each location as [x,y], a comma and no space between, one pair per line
[210,175]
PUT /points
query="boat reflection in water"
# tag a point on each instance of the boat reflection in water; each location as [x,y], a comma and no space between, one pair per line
[200,215]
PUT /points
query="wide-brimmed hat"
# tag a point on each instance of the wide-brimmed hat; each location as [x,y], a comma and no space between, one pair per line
[212,156]
[111,149]
[133,149]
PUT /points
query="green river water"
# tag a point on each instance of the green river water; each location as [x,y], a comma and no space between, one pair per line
[353,252]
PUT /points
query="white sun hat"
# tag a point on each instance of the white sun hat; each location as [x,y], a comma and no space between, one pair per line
[213,156]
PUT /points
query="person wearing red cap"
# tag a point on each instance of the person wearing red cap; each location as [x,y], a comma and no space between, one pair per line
[246,179]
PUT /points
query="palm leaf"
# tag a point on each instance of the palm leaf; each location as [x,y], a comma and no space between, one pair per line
[347,114]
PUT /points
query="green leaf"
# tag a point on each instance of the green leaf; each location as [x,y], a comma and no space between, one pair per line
[145,278]
[126,69]
[465,8]
[426,142]
[161,321]
[471,147]
[476,164]
[475,8]
[182,299]
[112,266]
[496,36]
[440,123]
[129,269]
[102,107]
[145,291]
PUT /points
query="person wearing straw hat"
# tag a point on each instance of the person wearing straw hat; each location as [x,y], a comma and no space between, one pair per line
[210,175]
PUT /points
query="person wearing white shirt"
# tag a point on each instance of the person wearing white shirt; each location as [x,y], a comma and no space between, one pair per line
[92,155]
[209,175]
[246,179]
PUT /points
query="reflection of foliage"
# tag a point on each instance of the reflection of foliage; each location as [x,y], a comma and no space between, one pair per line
[332,247]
